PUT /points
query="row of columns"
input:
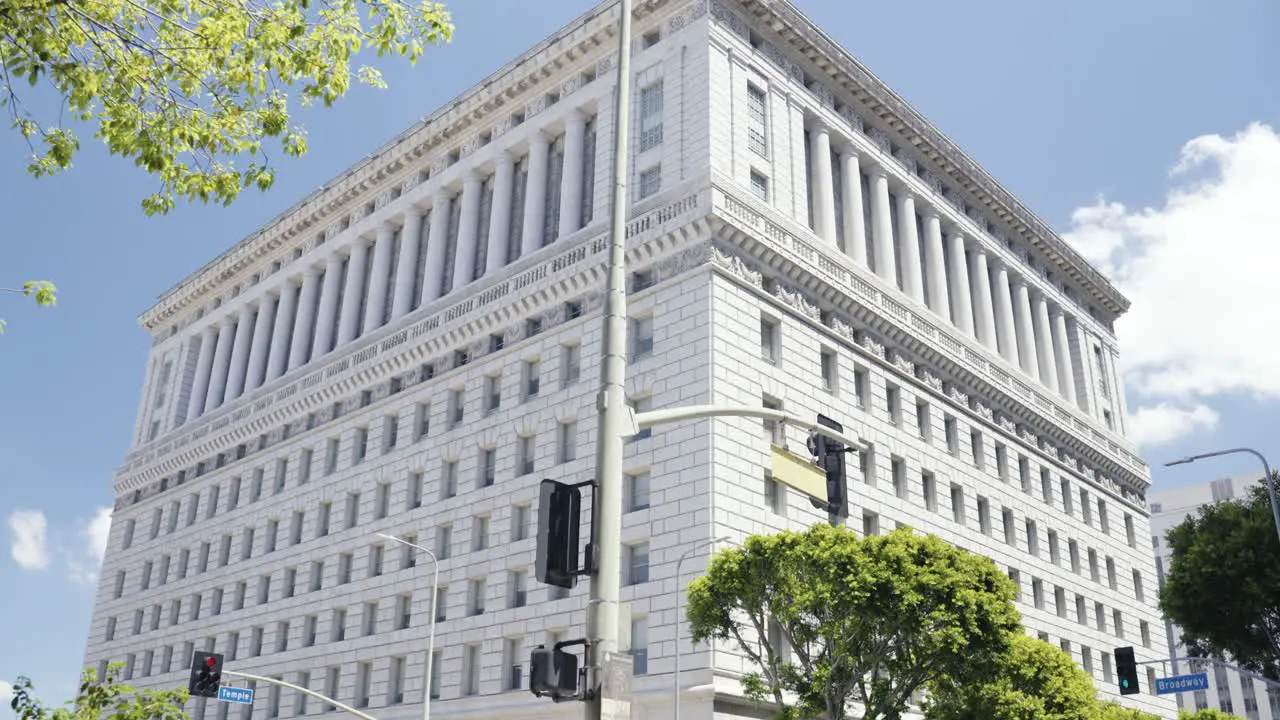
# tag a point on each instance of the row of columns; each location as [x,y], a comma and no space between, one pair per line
[955,277]
[284,330]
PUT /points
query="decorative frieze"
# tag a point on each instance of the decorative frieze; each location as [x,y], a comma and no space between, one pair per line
[721,13]
[796,300]
[686,16]
[933,181]
[899,359]
[852,117]
[881,139]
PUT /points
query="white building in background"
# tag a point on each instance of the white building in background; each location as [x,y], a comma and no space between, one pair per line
[1229,691]
[411,349]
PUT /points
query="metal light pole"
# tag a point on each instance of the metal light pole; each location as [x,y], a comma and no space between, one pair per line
[1266,474]
[675,683]
[611,403]
[431,632]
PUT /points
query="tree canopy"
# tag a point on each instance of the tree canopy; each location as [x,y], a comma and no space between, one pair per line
[1034,680]
[101,699]
[193,91]
[1223,583]
[833,620]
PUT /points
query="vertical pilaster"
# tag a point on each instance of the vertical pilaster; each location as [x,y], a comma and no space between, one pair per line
[282,332]
[437,244]
[353,293]
[855,236]
[821,184]
[300,348]
[221,362]
[882,228]
[261,345]
[1062,351]
[380,277]
[984,306]
[240,354]
[535,195]
[961,299]
[500,214]
[1022,326]
[935,266]
[204,369]
[1005,332]
[571,178]
[909,245]
[328,310]
[1044,343]
[464,257]
[407,266]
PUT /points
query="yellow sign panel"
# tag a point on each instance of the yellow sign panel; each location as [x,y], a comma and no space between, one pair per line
[799,473]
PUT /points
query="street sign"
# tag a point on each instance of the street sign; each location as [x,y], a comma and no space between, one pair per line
[240,696]
[1182,683]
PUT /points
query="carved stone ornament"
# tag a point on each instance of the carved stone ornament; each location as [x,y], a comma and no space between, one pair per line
[797,300]
[1006,424]
[666,268]
[736,266]
[605,65]
[872,345]
[953,199]
[902,362]
[693,257]
[438,166]
[933,181]
[825,96]
[906,159]
[536,106]
[570,86]
[685,16]
[775,55]
[332,231]
[852,117]
[975,214]
[383,198]
[844,329]
[881,139]
[983,410]
[931,379]
[723,15]
[513,334]
[470,145]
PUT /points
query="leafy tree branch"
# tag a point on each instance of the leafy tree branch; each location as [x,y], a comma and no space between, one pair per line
[42,291]
[104,699]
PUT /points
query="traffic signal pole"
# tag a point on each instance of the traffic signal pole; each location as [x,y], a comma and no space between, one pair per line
[299,688]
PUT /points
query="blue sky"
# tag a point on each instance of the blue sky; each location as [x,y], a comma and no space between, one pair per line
[1141,129]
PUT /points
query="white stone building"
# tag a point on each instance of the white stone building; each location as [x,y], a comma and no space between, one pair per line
[412,348]
[1229,690]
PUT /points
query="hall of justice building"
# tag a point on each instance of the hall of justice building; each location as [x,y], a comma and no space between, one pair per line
[411,349]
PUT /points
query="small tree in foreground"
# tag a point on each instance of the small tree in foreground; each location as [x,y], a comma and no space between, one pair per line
[1115,711]
[105,700]
[1035,680]
[868,622]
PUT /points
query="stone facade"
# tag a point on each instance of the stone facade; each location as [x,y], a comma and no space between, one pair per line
[411,349]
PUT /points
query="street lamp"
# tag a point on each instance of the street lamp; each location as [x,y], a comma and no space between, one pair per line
[675,683]
[1266,474]
[431,632]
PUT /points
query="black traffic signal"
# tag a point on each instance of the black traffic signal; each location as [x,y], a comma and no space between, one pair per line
[559,515]
[206,674]
[1127,671]
[830,457]
[553,672]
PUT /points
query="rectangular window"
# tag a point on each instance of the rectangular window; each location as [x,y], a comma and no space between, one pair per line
[957,503]
[395,689]
[475,597]
[757,121]
[641,337]
[413,491]
[471,670]
[760,185]
[353,510]
[893,403]
[570,364]
[637,491]
[650,116]
[448,479]
[512,663]
[770,340]
[487,467]
[421,421]
[567,442]
[457,407]
[640,646]
[637,569]
[978,447]
[829,367]
[370,618]
[532,378]
[518,582]
[650,182]
[390,433]
[404,611]
[360,446]
[951,433]
[480,533]
[929,488]
[524,455]
[519,522]
[322,523]
[492,393]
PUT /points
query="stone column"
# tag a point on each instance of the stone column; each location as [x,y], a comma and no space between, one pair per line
[984,307]
[204,367]
[353,292]
[1044,343]
[380,278]
[855,236]
[437,241]
[464,256]
[407,265]
[1005,333]
[961,301]
[935,265]
[535,195]
[822,182]
[261,346]
[221,361]
[240,354]
[328,310]
[304,328]
[500,214]
[1062,351]
[1022,326]
[882,228]
[909,244]
[286,312]
[575,137]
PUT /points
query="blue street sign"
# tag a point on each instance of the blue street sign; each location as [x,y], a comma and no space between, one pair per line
[241,696]
[1182,683]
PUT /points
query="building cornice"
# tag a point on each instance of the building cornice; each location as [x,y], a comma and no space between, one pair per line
[438,133]
[805,39]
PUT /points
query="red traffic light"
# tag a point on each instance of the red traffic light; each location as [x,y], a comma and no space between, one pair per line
[211,662]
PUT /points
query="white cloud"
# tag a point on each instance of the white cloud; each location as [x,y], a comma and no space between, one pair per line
[84,561]
[29,535]
[1199,269]
[6,693]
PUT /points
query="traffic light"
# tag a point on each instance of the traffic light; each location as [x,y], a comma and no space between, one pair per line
[206,674]
[830,457]
[559,511]
[553,672]
[1127,671]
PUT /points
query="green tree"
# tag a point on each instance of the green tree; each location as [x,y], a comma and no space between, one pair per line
[1206,715]
[193,91]
[868,621]
[1114,711]
[1034,681]
[105,700]
[1223,584]
[42,291]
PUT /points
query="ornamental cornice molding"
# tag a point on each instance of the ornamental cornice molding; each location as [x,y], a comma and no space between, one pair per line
[841,68]
[510,86]
[802,266]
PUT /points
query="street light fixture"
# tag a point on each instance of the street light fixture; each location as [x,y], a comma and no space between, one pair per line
[1266,474]
[431,633]
[675,683]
